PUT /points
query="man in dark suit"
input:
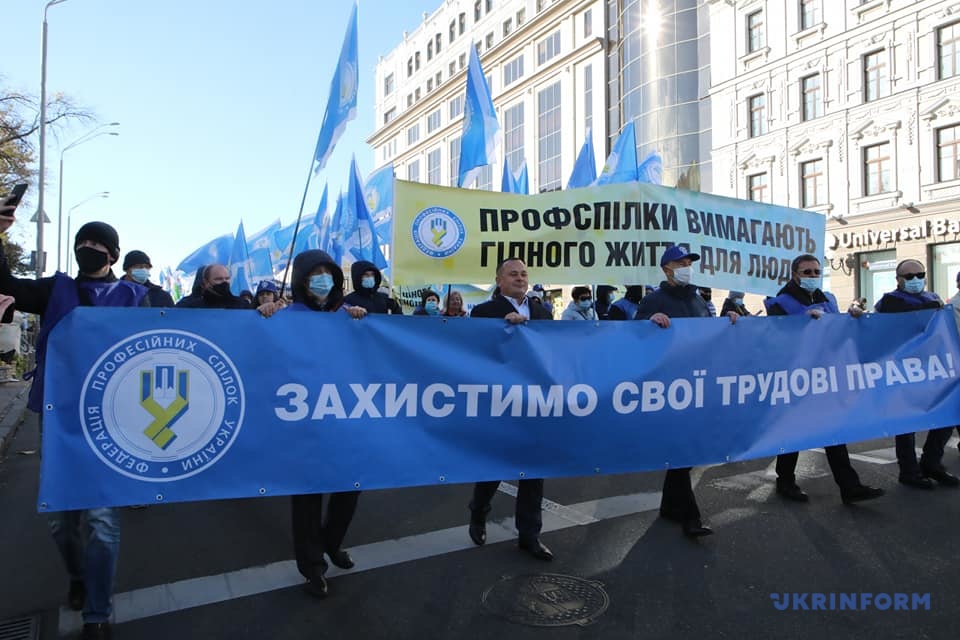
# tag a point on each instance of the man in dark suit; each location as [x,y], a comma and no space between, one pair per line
[513,306]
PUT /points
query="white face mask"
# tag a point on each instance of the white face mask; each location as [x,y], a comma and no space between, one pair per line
[682,275]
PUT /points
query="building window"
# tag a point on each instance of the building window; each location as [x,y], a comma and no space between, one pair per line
[756,35]
[438,78]
[454,161]
[438,39]
[948,153]
[429,85]
[876,169]
[488,41]
[476,11]
[452,68]
[433,121]
[811,97]
[413,171]
[479,47]
[513,135]
[948,51]
[507,27]
[876,83]
[548,47]
[588,23]
[484,178]
[456,106]
[549,127]
[409,67]
[409,99]
[389,115]
[758,115]
[813,191]
[453,31]
[521,16]
[433,166]
[416,94]
[809,13]
[757,188]
[462,60]
[430,50]
[413,133]
[388,85]
[461,23]
[513,70]
[489,5]
[416,61]
[588,96]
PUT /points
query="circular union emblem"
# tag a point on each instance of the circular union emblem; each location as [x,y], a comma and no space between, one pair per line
[438,232]
[161,405]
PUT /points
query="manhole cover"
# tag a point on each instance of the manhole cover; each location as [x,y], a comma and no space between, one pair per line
[547,600]
[19,629]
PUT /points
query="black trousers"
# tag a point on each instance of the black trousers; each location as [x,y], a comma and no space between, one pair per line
[677,501]
[932,458]
[527,516]
[313,535]
[837,457]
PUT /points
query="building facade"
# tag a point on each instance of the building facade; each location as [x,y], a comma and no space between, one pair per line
[849,109]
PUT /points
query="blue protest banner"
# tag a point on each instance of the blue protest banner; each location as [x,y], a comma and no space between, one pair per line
[147,406]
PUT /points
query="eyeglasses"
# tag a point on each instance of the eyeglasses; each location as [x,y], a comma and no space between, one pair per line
[809,272]
[911,276]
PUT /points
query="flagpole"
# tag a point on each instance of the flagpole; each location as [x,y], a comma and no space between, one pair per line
[296,229]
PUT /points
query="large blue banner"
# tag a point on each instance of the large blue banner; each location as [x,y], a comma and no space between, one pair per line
[147,406]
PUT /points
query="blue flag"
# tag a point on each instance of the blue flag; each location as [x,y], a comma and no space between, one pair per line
[523,180]
[265,238]
[621,165]
[481,131]
[378,192]
[342,103]
[507,183]
[585,169]
[321,208]
[651,169]
[239,267]
[335,241]
[282,239]
[217,251]
[260,265]
[365,238]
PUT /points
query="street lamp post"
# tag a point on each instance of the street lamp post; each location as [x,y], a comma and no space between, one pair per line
[102,194]
[87,137]
[43,135]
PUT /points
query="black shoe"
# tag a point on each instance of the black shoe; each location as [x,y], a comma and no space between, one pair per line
[537,549]
[860,493]
[341,558]
[96,631]
[917,480]
[77,596]
[316,586]
[943,477]
[478,532]
[792,492]
[695,529]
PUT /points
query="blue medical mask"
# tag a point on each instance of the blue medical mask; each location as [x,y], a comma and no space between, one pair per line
[584,305]
[320,285]
[140,275]
[431,307]
[810,284]
[915,285]
[368,282]
[738,302]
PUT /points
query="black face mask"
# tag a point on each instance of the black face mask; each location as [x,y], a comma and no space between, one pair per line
[89,260]
[222,290]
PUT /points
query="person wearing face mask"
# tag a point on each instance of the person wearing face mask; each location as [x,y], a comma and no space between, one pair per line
[910,295]
[802,296]
[317,285]
[606,295]
[136,268]
[626,307]
[677,298]
[214,291]
[581,306]
[366,282]
[429,304]
[88,540]
[707,295]
[734,302]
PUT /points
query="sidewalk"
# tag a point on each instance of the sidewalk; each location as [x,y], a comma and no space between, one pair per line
[13,404]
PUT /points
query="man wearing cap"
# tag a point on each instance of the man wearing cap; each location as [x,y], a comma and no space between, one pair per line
[802,296]
[677,298]
[911,296]
[136,268]
[88,540]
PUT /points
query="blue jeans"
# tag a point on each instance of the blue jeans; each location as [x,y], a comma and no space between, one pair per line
[89,543]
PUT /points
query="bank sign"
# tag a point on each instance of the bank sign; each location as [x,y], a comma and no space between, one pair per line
[922,230]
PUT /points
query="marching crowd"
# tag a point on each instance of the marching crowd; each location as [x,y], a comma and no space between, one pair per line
[89,540]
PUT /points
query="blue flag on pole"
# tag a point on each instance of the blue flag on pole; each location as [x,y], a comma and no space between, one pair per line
[621,165]
[651,169]
[481,131]
[335,240]
[321,208]
[523,180]
[507,184]
[584,171]
[378,192]
[265,238]
[217,251]
[239,259]
[260,265]
[342,103]
[365,237]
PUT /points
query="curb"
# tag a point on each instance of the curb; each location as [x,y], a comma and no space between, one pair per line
[12,417]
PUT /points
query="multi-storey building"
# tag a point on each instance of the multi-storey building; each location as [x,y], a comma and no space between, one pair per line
[850,109]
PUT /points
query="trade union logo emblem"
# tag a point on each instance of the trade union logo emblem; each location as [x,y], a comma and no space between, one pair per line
[162,405]
[438,232]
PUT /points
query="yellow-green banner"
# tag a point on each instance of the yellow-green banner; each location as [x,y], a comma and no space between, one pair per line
[611,233]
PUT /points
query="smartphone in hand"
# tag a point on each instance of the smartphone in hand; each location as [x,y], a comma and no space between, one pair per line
[10,203]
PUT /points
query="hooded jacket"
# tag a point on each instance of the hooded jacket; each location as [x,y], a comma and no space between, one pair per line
[205,299]
[573,312]
[303,264]
[370,299]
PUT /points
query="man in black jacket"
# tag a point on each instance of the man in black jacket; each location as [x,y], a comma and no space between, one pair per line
[136,268]
[366,280]
[677,298]
[214,291]
[911,296]
[513,306]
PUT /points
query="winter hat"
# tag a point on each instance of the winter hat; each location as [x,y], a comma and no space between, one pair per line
[103,233]
[136,257]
